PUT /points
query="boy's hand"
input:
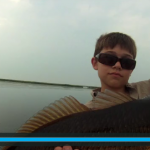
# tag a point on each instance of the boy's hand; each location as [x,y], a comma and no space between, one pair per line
[64,148]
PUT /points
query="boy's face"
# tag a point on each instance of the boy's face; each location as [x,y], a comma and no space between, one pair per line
[107,73]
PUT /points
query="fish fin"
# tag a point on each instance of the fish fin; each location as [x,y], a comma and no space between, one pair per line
[110,98]
[60,108]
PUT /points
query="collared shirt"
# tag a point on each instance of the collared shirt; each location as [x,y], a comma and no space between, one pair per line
[137,90]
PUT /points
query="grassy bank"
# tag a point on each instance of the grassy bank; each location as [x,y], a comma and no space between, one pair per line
[45,83]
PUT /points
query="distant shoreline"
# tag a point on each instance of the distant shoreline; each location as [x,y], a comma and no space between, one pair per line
[46,83]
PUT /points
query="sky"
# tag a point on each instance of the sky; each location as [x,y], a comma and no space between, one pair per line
[53,40]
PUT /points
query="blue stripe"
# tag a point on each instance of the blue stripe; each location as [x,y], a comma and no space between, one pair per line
[74,139]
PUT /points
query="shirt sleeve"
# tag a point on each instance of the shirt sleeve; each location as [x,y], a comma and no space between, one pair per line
[142,88]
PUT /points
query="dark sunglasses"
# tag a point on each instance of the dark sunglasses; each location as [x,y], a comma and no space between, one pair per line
[110,60]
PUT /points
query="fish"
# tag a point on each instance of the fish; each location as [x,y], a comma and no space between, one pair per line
[116,113]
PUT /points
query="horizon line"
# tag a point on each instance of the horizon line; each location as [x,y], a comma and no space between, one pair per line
[48,83]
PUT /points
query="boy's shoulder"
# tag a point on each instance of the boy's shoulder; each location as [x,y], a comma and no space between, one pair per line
[141,89]
[140,83]
[136,90]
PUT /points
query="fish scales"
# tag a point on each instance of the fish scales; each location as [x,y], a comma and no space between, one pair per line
[132,116]
[116,119]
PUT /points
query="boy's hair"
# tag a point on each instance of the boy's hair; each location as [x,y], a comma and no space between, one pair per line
[115,38]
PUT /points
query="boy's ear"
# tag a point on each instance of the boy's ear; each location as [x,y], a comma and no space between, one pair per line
[94,63]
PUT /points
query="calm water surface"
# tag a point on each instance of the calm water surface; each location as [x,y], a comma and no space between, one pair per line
[20,101]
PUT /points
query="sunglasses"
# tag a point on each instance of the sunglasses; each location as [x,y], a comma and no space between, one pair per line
[110,60]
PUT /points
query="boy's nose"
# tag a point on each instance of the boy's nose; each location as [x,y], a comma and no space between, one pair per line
[117,65]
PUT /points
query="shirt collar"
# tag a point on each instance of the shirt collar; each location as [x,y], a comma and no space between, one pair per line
[130,89]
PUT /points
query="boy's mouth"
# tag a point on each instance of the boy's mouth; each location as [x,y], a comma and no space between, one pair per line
[116,74]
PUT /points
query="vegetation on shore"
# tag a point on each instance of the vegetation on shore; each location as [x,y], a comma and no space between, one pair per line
[46,83]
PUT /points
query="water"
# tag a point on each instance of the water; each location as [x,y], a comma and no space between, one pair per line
[20,101]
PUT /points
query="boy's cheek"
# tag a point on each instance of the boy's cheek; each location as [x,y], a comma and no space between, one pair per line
[103,69]
[102,72]
[127,74]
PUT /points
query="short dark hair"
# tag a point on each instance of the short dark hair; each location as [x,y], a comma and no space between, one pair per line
[112,39]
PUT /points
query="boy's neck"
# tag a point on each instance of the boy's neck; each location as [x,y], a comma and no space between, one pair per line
[122,90]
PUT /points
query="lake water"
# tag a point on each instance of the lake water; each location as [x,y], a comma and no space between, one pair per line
[20,101]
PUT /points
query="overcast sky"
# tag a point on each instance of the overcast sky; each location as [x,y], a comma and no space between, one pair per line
[54,40]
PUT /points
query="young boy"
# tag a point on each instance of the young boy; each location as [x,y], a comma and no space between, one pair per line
[114,59]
